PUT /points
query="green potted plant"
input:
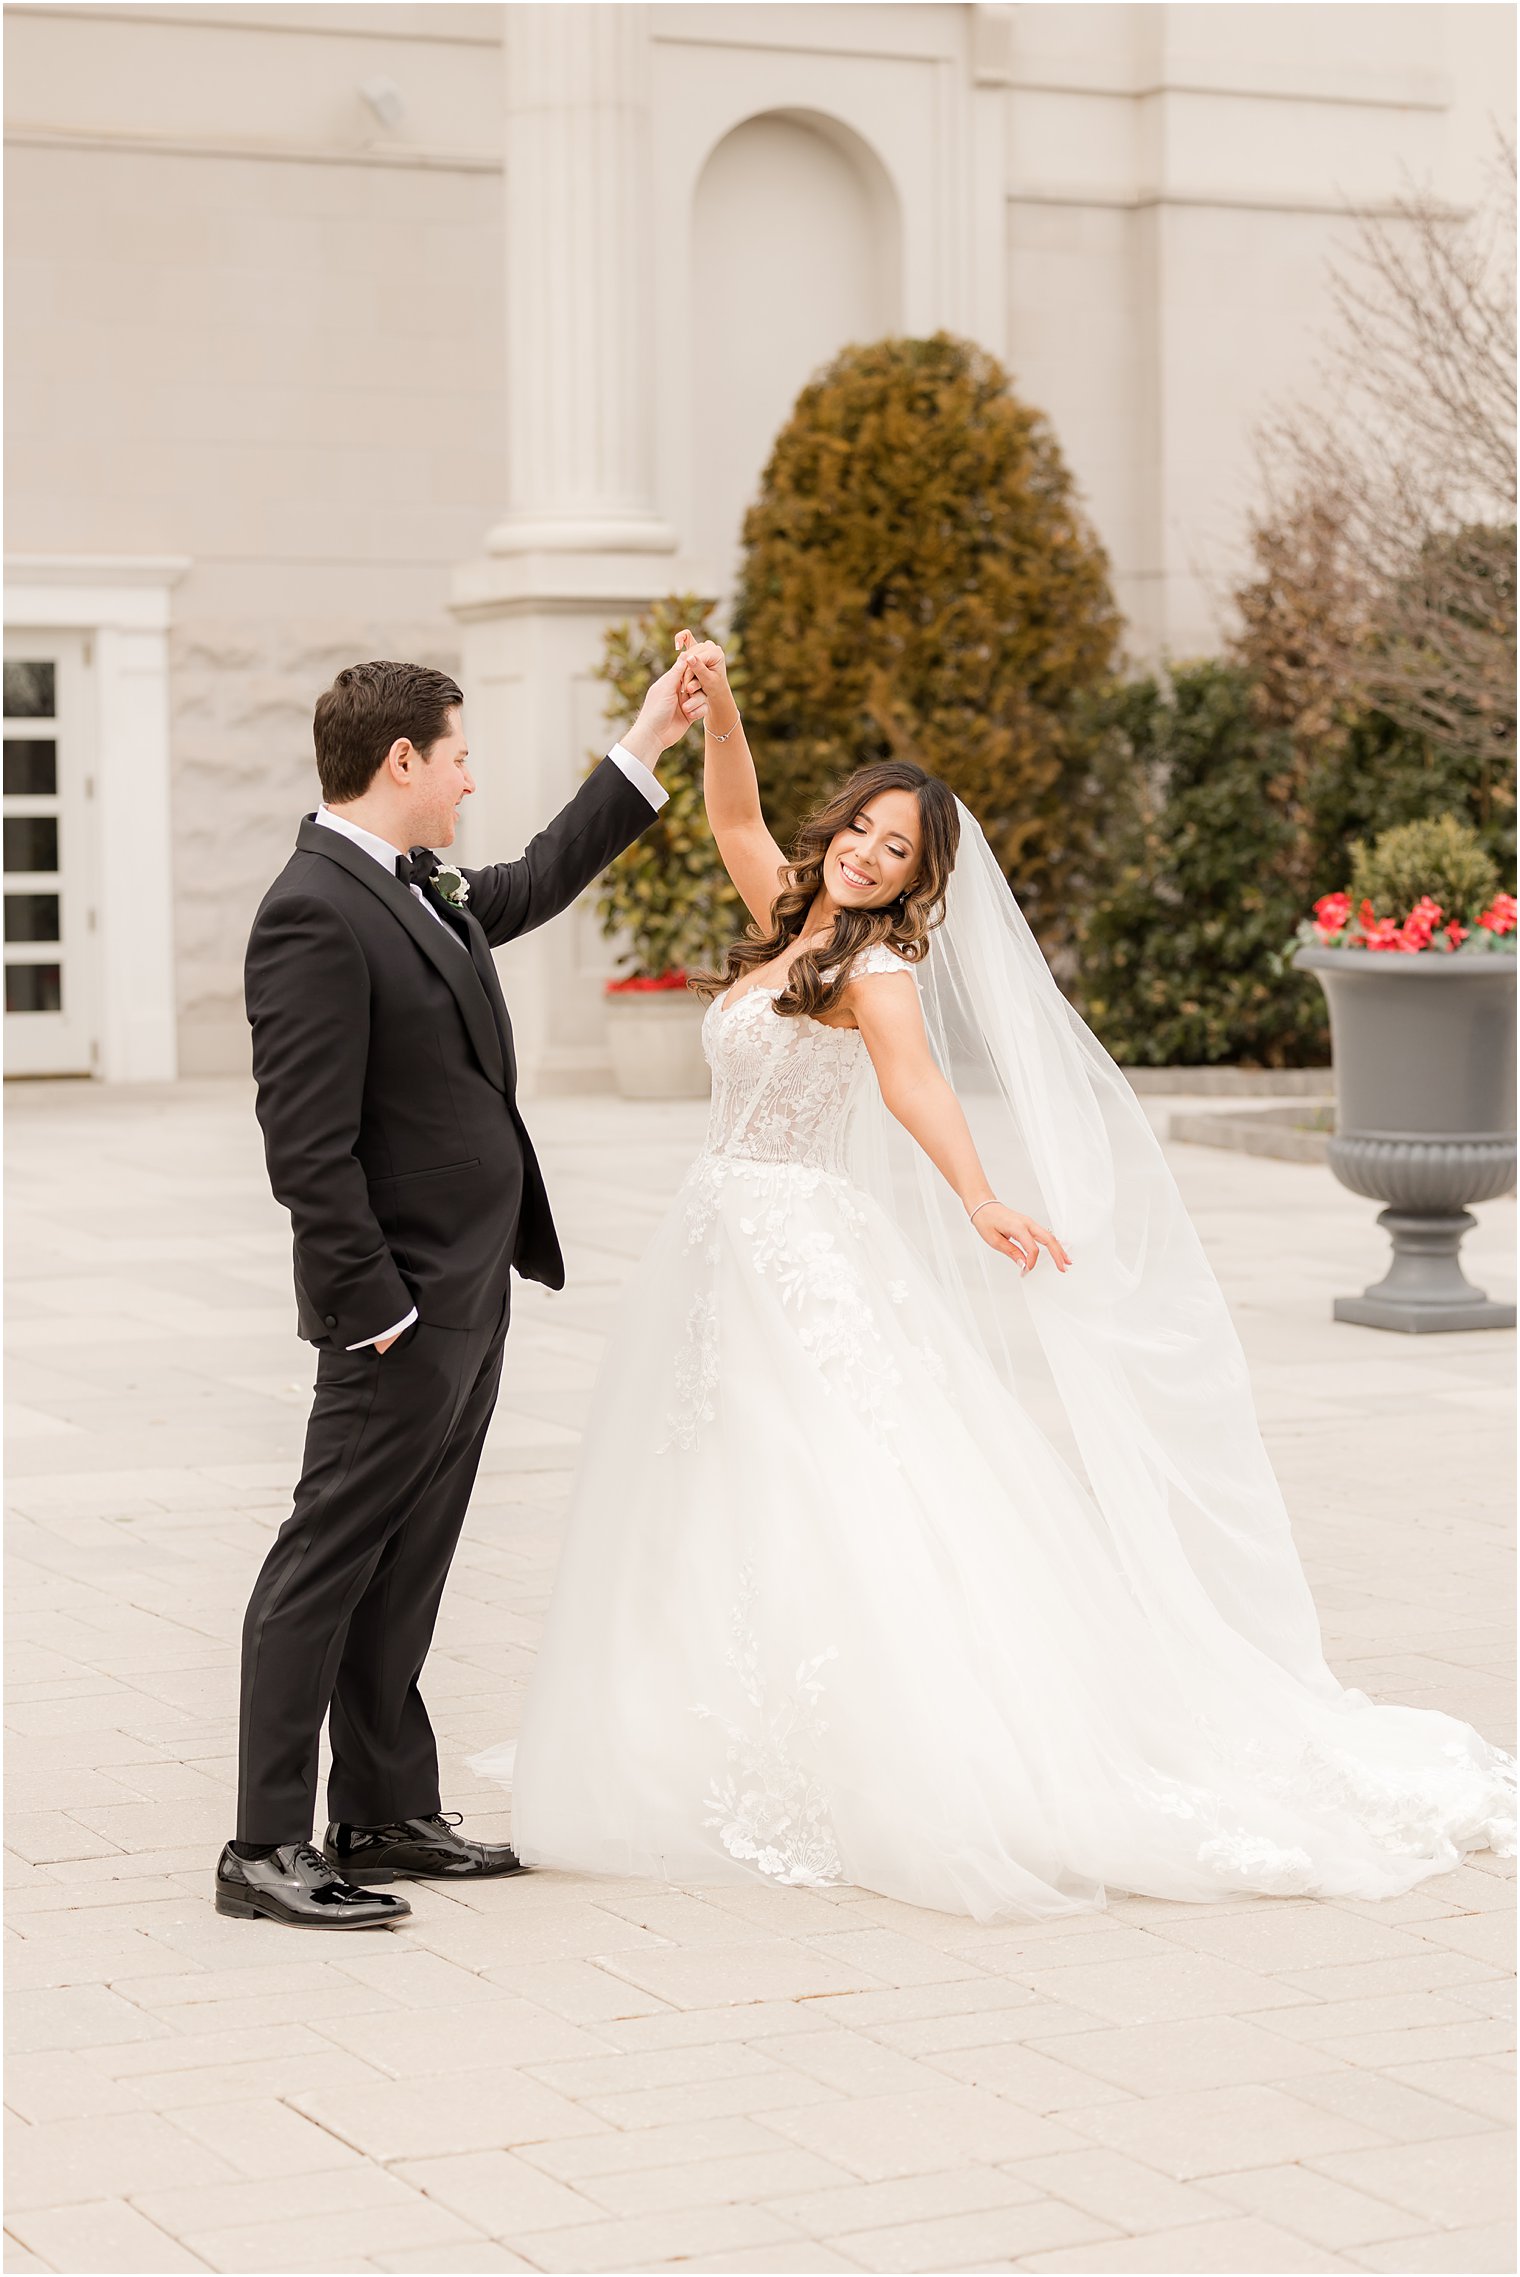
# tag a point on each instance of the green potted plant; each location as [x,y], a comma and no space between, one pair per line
[1417,961]
[667,901]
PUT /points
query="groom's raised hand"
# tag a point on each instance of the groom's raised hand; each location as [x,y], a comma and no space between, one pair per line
[671,706]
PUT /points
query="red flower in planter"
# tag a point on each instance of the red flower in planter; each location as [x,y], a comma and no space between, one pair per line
[1456,934]
[1499,917]
[641,983]
[1419,926]
[1377,932]
[1331,913]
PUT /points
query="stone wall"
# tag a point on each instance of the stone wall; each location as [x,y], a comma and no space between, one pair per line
[284,366]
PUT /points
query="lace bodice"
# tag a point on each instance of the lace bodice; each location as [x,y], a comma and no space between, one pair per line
[784,1089]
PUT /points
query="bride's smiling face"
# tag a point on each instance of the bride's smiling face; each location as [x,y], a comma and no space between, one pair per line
[875,856]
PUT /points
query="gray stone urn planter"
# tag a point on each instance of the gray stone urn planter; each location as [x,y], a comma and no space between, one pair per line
[1424,1053]
[654,1039]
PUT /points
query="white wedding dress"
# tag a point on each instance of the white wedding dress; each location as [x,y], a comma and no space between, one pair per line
[832,1608]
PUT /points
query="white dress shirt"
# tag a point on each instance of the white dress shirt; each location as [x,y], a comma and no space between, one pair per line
[382,851]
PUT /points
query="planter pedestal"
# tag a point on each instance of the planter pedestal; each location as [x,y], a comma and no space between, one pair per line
[1425,1288]
[1424,1051]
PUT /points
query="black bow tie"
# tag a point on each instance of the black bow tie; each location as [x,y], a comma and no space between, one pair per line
[419,867]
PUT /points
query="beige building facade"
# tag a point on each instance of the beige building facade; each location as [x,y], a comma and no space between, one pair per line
[461,331]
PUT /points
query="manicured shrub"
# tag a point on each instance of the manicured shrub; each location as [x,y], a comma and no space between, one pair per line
[1444,859]
[919,580]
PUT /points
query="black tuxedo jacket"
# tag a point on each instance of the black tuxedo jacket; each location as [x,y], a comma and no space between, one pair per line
[387,1082]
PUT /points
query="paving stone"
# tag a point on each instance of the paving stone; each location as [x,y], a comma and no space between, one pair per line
[1172,1985]
[1313,2206]
[579,2073]
[18,2259]
[59,2083]
[1465,2179]
[498,2192]
[878,2136]
[837,2211]
[1118,2190]
[434,2260]
[805,2257]
[959,2241]
[692,2235]
[613,2151]
[1173,2057]
[1457,2253]
[63,2162]
[1399,2110]
[586,2078]
[357,2187]
[330,2240]
[75,2016]
[577,1990]
[894,1960]
[103,2234]
[492,2035]
[479,2110]
[1486,2087]
[1211,2248]
[1218,2130]
[264,2139]
[1028,2076]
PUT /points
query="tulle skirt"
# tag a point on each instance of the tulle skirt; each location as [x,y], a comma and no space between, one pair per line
[832,1607]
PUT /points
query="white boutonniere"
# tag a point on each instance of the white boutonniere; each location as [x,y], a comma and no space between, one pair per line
[452,886]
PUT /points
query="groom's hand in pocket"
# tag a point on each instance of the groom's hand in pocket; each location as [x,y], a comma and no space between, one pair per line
[384,1343]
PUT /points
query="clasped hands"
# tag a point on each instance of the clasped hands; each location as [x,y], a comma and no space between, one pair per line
[680,698]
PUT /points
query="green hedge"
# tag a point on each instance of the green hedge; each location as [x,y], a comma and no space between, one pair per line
[1182,947]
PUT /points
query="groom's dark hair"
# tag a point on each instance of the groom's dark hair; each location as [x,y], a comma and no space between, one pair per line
[367,709]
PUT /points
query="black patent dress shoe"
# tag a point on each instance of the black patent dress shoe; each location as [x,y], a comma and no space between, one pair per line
[417,1849]
[296,1885]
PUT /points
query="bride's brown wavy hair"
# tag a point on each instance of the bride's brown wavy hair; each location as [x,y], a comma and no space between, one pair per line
[816,980]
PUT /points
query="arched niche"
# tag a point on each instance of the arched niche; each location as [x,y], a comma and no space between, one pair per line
[797,252]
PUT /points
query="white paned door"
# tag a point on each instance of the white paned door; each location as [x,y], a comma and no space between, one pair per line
[49,918]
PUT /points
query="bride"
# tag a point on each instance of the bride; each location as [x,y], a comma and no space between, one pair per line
[912,1548]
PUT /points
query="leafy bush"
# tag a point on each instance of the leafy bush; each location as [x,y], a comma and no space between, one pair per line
[1181,949]
[1444,858]
[668,893]
[1312,639]
[919,581]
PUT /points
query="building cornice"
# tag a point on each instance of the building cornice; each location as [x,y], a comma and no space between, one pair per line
[235,147]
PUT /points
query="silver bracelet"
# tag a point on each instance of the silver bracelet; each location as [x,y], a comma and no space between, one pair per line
[712,731]
[991,1198]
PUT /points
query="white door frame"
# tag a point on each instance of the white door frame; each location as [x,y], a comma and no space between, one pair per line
[121,604]
[64,1041]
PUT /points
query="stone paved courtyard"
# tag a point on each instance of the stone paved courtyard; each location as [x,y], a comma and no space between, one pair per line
[557,2074]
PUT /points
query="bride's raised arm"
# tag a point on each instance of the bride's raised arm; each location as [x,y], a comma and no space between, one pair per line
[731,787]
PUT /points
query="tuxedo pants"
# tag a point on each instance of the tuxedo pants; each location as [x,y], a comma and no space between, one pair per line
[342,1614]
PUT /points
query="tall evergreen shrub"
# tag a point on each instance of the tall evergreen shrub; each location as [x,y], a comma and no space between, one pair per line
[919,580]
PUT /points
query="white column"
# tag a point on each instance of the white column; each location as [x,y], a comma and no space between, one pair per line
[582,544]
[580,253]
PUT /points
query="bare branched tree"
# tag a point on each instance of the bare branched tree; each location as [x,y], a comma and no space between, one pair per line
[1385,549]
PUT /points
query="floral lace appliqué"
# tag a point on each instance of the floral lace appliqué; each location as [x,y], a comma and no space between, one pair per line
[695,1377]
[1322,1781]
[768,1809]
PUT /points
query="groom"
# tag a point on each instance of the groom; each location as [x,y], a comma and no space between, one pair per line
[386,1081]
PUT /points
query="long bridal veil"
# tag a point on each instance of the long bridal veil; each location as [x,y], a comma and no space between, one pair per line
[1151,1391]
